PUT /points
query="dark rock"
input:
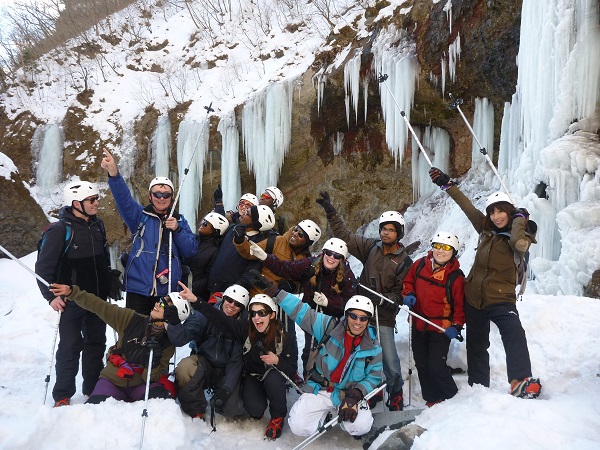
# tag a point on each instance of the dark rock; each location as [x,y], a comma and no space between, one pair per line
[403,438]
[593,287]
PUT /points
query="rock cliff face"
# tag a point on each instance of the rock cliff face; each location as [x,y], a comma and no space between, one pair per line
[362,179]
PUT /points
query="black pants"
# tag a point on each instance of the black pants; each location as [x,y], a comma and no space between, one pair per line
[256,394]
[141,304]
[80,332]
[430,350]
[290,327]
[506,318]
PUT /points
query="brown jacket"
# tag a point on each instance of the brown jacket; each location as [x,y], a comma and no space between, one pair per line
[493,277]
[387,270]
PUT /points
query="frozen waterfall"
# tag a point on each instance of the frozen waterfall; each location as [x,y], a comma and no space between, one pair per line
[47,149]
[230,168]
[161,146]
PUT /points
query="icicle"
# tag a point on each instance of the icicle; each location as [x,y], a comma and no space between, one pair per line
[483,126]
[448,10]
[436,141]
[351,85]
[230,170]
[320,79]
[338,143]
[453,57]
[443,63]
[161,146]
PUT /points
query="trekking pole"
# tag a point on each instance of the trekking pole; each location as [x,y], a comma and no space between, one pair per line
[333,422]
[382,78]
[263,351]
[45,283]
[410,325]
[455,104]
[408,310]
[374,286]
[152,342]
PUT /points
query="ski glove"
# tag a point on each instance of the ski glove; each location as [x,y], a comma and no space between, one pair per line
[325,201]
[452,332]
[349,407]
[218,195]
[320,299]
[390,306]
[260,282]
[410,300]
[439,177]
[255,250]
[219,397]
[239,234]
[171,315]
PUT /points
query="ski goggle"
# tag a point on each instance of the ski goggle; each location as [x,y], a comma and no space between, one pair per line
[354,316]
[439,246]
[266,196]
[162,194]
[235,303]
[333,254]
[259,313]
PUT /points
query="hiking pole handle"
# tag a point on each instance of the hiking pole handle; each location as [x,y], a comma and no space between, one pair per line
[15,259]
[382,78]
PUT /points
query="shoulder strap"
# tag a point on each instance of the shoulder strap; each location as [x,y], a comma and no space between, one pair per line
[371,247]
[449,282]
[270,243]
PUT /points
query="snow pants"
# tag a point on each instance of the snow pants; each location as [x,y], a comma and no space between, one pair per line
[430,350]
[506,318]
[80,332]
[271,389]
[106,388]
[194,374]
[310,412]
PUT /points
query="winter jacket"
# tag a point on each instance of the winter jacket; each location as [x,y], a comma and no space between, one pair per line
[86,261]
[201,262]
[238,330]
[229,267]
[493,277]
[364,368]
[130,327]
[217,347]
[281,249]
[429,287]
[149,253]
[387,270]
[303,270]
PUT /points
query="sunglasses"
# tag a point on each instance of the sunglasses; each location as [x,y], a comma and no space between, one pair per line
[204,223]
[439,246]
[162,194]
[333,255]
[259,313]
[266,197]
[357,317]
[299,232]
[235,303]
[94,199]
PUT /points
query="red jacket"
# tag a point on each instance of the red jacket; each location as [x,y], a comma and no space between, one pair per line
[431,297]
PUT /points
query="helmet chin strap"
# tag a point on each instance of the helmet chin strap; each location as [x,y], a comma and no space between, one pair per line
[81,211]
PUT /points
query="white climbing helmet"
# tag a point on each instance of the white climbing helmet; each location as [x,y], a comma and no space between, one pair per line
[498,197]
[218,221]
[395,218]
[78,191]
[336,245]
[311,229]
[182,305]
[266,218]
[263,299]
[360,302]
[249,198]
[238,293]
[444,237]
[161,180]
[276,194]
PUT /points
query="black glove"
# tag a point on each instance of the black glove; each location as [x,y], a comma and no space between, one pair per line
[260,282]
[521,212]
[219,397]
[218,195]
[439,177]
[115,287]
[171,315]
[325,202]
[239,234]
[349,407]
[389,306]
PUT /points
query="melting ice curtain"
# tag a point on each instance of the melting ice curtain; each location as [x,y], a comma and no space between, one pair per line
[266,132]
[230,168]
[47,149]
[161,146]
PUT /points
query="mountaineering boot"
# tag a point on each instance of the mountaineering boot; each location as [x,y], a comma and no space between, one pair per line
[430,404]
[274,429]
[396,402]
[526,388]
[62,402]
[376,399]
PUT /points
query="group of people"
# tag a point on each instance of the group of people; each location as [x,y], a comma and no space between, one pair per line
[251,285]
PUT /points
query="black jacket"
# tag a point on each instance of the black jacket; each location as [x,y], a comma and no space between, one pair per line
[200,264]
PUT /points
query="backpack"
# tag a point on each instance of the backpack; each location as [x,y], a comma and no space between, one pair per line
[68,235]
[448,285]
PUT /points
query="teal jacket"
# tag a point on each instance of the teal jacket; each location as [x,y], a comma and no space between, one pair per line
[365,363]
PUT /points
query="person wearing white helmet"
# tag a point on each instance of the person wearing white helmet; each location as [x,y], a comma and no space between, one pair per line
[505,235]
[434,288]
[210,232]
[216,360]
[126,371]
[273,198]
[268,352]
[347,363]
[385,263]
[146,276]
[75,249]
